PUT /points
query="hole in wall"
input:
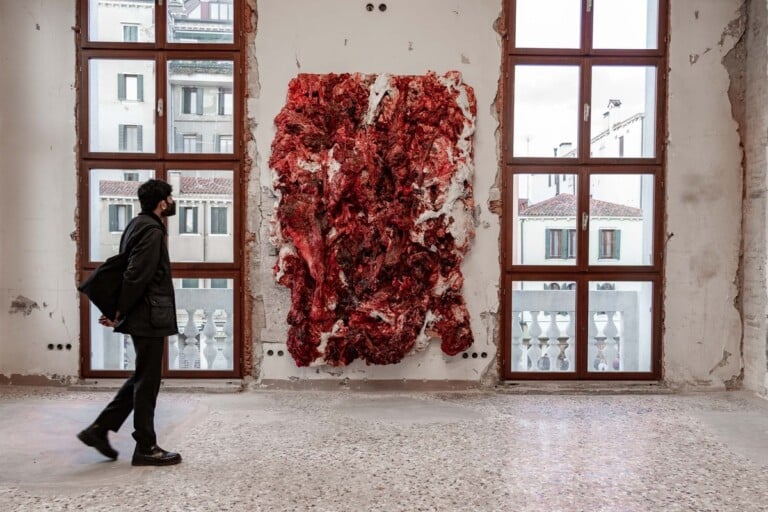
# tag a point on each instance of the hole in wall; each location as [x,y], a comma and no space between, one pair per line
[280,353]
[369,7]
[270,352]
[382,7]
[50,346]
[59,347]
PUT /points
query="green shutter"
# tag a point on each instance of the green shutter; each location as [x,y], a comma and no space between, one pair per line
[221,101]
[186,99]
[617,244]
[140,87]
[565,242]
[199,101]
[121,87]
[113,217]
[121,137]
[218,221]
[140,138]
[547,243]
[194,220]
[199,142]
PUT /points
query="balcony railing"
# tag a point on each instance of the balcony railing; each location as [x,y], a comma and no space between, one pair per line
[543,331]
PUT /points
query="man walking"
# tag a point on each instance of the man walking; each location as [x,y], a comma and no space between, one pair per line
[146,310]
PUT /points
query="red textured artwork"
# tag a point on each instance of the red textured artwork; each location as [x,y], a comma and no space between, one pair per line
[375,213]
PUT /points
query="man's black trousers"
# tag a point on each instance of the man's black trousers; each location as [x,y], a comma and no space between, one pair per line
[138,394]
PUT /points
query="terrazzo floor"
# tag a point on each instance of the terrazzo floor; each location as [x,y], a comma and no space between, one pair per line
[353,451]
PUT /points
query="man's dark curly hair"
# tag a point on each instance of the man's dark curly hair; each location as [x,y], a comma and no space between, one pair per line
[151,192]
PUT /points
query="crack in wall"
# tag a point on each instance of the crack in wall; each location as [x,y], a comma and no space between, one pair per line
[493,373]
[735,64]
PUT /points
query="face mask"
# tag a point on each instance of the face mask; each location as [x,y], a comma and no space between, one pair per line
[170,211]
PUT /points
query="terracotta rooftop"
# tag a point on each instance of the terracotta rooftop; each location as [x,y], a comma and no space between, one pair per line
[189,186]
[564,205]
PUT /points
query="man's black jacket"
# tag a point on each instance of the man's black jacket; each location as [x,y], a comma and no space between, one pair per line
[146,300]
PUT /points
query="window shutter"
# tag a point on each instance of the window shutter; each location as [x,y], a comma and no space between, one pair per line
[186,100]
[221,101]
[547,243]
[121,87]
[199,101]
[199,142]
[121,137]
[565,243]
[113,217]
[140,87]
[140,138]
[178,142]
[617,244]
[193,212]
[128,213]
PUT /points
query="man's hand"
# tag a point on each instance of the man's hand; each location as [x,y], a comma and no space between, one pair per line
[106,322]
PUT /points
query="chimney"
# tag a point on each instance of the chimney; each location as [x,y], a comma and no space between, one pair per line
[611,115]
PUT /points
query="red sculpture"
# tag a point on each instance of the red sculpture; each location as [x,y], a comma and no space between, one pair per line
[375,214]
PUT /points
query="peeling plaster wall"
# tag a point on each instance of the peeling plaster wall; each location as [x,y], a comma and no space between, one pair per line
[38,187]
[703,329]
[708,283]
[755,300]
[336,36]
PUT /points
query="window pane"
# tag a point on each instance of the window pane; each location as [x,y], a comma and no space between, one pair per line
[619,326]
[546,111]
[543,326]
[109,350]
[121,102]
[626,24]
[204,201]
[621,219]
[550,24]
[623,111]
[195,121]
[121,21]
[112,203]
[544,213]
[205,316]
[200,21]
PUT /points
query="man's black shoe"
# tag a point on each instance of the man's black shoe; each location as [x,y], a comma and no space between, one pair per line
[96,437]
[155,456]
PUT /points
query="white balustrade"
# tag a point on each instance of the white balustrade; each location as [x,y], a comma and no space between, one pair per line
[205,340]
[544,327]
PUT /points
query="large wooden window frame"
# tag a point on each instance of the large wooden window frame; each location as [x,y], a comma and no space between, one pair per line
[162,161]
[583,166]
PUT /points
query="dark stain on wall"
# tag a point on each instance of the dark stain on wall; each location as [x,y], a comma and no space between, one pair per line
[23,305]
